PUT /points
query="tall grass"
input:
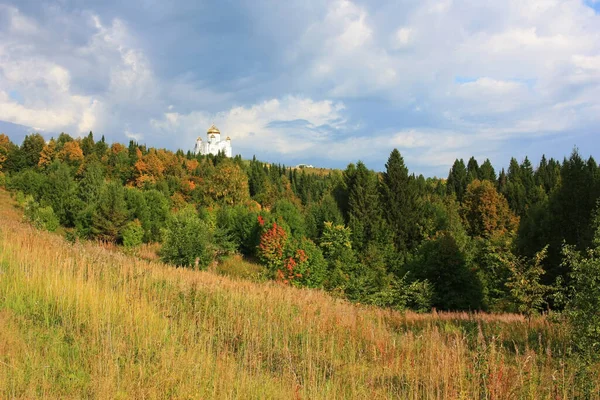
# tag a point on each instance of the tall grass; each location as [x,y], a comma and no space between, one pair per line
[79,320]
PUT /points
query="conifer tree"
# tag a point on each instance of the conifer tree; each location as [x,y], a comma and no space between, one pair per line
[110,215]
[457,179]
[87,144]
[472,170]
[486,171]
[502,181]
[91,182]
[31,149]
[400,200]
[364,211]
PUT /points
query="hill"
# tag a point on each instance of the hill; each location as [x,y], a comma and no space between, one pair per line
[81,320]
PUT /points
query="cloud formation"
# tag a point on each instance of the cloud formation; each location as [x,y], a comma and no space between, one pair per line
[315,81]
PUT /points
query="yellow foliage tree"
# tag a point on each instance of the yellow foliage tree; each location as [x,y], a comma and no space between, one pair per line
[485,212]
[4,143]
[71,153]
[47,155]
[228,184]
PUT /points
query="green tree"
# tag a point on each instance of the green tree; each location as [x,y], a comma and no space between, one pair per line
[583,295]
[60,193]
[318,214]
[158,211]
[31,149]
[133,234]
[110,214]
[472,170]
[457,179]
[487,172]
[444,264]
[525,283]
[91,182]
[401,202]
[291,215]
[186,242]
[87,144]
[364,211]
[336,243]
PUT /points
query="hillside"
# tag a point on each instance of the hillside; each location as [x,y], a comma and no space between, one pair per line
[80,320]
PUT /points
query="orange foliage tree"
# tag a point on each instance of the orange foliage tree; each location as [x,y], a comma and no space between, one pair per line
[289,274]
[47,155]
[4,144]
[271,249]
[71,153]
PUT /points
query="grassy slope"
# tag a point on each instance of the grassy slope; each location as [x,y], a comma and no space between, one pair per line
[84,321]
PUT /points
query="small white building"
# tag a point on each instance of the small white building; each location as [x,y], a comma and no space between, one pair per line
[213,144]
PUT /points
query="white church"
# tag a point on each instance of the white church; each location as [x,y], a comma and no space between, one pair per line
[213,144]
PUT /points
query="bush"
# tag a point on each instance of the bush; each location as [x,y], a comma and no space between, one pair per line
[133,234]
[186,240]
[456,284]
[28,182]
[306,267]
[2,180]
[241,226]
[40,217]
[583,303]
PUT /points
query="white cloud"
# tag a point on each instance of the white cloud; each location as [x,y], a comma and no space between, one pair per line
[468,76]
[290,125]
[402,38]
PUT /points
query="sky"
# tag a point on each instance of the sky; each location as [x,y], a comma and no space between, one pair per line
[305,81]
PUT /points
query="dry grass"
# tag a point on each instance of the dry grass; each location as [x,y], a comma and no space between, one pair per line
[79,321]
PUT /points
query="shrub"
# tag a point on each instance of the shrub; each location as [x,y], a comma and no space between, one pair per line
[186,240]
[306,267]
[28,182]
[40,217]
[271,249]
[583,303]
[133,234]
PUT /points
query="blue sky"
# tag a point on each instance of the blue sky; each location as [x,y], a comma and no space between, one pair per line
[320,82]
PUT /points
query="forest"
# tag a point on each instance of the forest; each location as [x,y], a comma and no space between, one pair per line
[517,240]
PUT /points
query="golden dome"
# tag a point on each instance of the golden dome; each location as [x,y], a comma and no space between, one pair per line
[214,129]
[228,138]
[199,139]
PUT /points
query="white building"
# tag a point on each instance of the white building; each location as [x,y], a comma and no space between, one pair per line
[213,144]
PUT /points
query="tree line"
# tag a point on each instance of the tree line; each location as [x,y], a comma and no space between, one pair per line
[479,240]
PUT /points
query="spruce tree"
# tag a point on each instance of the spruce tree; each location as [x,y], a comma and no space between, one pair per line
[457,180]
[472,170]
[364,211]
[110,215]
[400,200]
[486,171]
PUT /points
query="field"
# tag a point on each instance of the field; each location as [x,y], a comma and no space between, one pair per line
[85,321]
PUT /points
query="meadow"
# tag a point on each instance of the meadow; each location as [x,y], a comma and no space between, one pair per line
[82,320]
